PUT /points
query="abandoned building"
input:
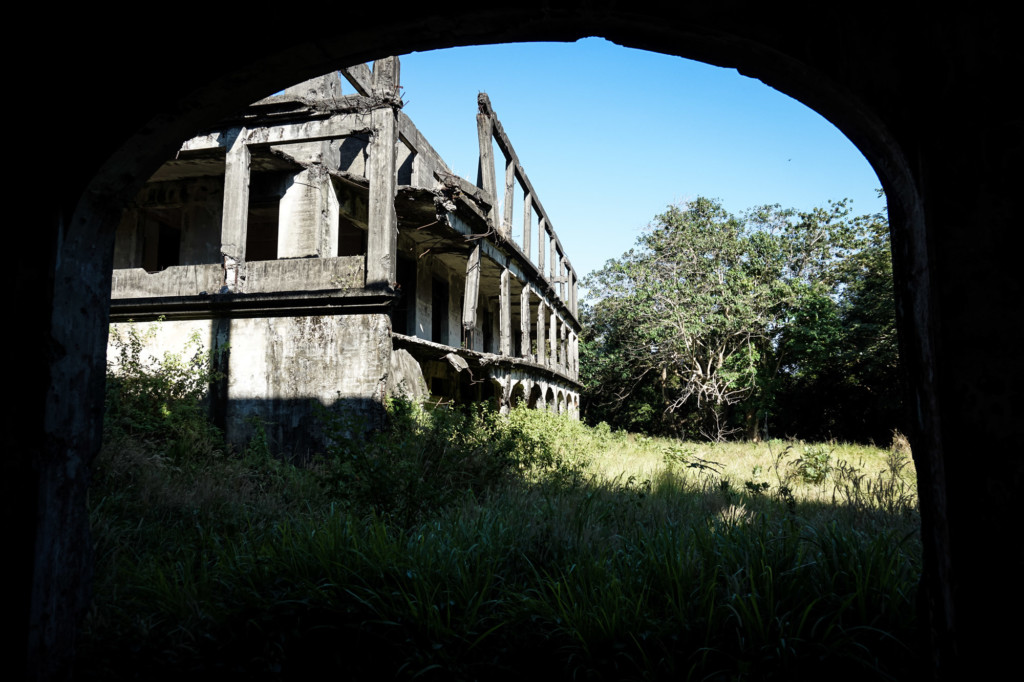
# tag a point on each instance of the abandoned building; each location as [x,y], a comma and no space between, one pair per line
[321,243]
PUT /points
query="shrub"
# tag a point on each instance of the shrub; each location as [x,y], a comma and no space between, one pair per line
[157,397]
[814,465]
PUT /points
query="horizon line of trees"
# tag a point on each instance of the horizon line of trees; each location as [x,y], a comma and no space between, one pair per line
[774,323]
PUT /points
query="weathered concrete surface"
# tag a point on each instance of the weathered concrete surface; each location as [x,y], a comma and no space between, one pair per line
[180,280]
[278,367]
[405,377]
[306,274]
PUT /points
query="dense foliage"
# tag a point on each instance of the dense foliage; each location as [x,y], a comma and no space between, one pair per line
[716,325]
[460,544]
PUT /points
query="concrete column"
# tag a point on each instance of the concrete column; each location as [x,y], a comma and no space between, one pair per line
[510,188]
[382,237]
[235,221]
[553,248]
[541,246]
[308,222]
[469,302]
[527,232]
[424,293]
[505,313]
[561,278]
[524,320]
[485,176]
[554,339]
[541,324]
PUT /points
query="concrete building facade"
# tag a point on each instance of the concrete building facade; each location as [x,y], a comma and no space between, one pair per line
[325,252]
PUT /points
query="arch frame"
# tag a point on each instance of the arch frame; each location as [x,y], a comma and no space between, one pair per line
[923,97]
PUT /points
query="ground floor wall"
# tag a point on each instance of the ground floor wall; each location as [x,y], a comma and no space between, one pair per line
[277,370]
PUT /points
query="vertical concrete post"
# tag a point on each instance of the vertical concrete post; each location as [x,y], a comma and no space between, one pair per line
[541,323]
[554,257]
[382,237]
[573,355]
[562,293]
[424,298]
[554,338]
[235,221]
[524,320]
[527,232]
[328,216]
[505,313]
[574,293]
[469,301]
[510,186]
[541,246]
[485,174]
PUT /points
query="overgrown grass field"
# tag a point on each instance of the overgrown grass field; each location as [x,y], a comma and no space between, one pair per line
[462,544]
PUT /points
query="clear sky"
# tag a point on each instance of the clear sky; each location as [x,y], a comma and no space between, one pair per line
[610,136]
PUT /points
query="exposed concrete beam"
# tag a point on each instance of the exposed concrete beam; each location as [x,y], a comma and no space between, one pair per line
[360,77]
[325,87]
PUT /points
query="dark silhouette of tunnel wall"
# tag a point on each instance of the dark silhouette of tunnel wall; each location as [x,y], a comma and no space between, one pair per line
[925,96]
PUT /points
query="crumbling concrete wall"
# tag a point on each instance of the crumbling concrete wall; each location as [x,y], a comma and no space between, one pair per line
[277,368]
[280,366]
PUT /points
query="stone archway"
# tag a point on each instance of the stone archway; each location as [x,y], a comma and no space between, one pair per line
[945,164]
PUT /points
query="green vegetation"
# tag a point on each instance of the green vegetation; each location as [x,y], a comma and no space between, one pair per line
[776,321]
[458,544]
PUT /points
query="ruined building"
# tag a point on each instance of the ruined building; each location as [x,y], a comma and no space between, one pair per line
[320,239]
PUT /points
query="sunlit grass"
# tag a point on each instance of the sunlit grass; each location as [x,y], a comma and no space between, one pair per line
[586,554]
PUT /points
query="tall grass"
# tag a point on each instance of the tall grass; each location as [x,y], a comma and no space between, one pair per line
[502,547]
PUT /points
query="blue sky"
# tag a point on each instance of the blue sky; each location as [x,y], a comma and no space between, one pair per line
[610,136]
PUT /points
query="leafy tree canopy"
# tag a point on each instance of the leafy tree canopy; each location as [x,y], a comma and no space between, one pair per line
[702,326]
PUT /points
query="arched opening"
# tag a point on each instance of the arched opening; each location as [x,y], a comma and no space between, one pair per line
[535,396]
[518,394]
[867,90]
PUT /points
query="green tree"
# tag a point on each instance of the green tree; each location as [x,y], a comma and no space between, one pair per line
[702,326]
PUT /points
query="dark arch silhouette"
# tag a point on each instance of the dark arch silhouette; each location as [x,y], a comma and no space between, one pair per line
[923,96]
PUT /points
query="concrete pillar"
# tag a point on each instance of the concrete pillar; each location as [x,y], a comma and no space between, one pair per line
[527,232]
[554,339]
[382,237]
[510,188]
[541,245]
[485,177]
[469,302]
[541,324]
[424,293]
[524,321]
[308,217]
[235,219]
[505,313]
